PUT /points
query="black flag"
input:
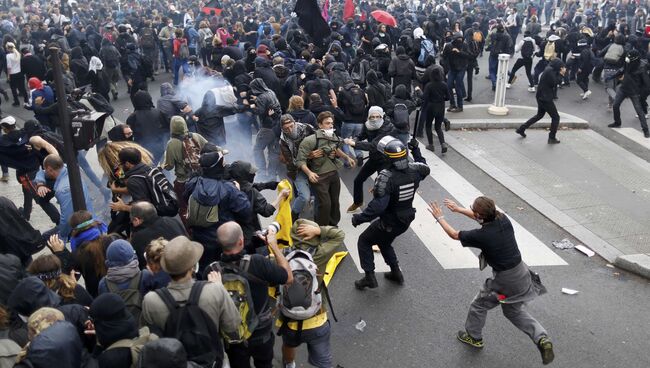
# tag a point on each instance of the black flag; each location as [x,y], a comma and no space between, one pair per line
[311,20]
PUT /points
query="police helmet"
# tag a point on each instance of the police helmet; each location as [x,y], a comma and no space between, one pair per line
[394,150]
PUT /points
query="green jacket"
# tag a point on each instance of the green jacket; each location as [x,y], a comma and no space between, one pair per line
[329,242]
[321,165]
[175,152]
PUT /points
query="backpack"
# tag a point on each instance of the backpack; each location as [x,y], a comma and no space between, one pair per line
[131,295]
[112,58]
[357,104]
[302,299]
[235,278]
[99,103]
[359,70]
[54,139]
[477,36]
[162,192]
[191,153]
[147,40]
[183,50]
[527,49]
[135,345]
[192,326]
[199,215]
[614,53]
[549,51]
[427,49]
[401,116]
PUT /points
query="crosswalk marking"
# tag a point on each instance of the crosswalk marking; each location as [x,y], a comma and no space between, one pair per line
[635,135]
[533,251]
[352,233]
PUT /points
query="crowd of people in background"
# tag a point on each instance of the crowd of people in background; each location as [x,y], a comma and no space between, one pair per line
[179,218]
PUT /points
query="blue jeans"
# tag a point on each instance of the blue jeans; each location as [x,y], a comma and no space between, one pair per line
[493,66]
[351,130]
[179,63]
[455,80]
[318,344]
[301,186]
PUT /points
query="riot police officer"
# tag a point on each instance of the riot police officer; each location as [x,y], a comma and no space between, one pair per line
[393,193]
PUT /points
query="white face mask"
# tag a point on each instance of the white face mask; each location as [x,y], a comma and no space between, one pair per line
[328,132]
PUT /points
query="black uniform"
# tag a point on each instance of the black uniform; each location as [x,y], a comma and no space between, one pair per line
[394,191]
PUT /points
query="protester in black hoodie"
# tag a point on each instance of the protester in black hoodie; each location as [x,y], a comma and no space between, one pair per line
[148,125]
[435,95]
[401,69]
[209,119]
[32,65]
[112,322]
[79,66]
[377,93]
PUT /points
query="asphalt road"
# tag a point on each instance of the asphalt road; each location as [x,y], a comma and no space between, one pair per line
[604,325]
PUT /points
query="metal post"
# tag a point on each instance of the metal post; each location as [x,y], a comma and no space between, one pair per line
[499,106]
[69,153]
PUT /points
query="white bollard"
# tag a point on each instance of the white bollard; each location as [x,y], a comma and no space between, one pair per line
[499,106]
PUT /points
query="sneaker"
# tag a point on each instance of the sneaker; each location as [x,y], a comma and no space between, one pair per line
[368,281]
[4,178]
[508,85]
[521,132]
[431,147]
[586,94]
[354,207]
[614,125]
[444,148]
[451,108]
[468,99]
[553,141]
[545,347]
[463,336]
[531,89]
[447,125]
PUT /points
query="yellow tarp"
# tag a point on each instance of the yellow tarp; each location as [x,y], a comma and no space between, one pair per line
[284,215]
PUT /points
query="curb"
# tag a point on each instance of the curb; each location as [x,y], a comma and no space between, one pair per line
[567,121]
[636,263]
[555,215]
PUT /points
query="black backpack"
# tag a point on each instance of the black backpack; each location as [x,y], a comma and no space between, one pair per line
[357,101]
[527,49]
[131,295]
[401,116]
[192,326]
[54,139]
[359,70]
[147,66]
[162,192]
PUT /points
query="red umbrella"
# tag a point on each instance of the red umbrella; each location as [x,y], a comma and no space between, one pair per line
[384,17]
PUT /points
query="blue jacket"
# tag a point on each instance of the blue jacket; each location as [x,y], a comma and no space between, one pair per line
[233,203]
[62,194]
[48,99]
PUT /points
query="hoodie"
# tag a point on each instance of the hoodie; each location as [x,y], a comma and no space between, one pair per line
[148,124]
[264,70]
[169,103]
[210,123]
[58,343]
[113,322]
[79,66]
[175,152]
[265,100]
[233,203]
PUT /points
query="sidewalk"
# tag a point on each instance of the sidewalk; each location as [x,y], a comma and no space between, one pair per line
[475,116]
[589,186]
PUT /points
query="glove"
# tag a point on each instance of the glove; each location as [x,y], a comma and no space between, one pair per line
[356,221]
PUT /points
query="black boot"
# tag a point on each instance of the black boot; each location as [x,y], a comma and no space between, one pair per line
[395,275]
[368,281]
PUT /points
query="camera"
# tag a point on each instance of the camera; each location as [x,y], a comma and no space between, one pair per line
[273,224]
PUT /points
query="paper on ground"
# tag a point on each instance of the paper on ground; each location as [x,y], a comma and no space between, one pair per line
[569,291]
[588,252]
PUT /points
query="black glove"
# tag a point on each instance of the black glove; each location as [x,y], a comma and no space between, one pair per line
[356,221]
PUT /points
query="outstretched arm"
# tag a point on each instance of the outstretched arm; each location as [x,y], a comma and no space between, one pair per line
[453,207]
[436,211]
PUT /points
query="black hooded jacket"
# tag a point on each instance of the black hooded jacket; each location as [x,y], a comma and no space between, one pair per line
[112,323]
[149,125]
[79,66]
[265,101]
[210,123]
[264,70]
[17,236]
[376,91]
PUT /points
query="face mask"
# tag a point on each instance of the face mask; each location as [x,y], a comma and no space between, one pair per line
[293,134]
[328,132]
[382,34]
[374,124]
[170,25]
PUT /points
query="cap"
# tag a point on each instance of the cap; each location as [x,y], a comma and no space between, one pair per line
[9,121]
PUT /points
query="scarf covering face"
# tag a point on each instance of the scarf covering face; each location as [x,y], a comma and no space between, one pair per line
[124,273]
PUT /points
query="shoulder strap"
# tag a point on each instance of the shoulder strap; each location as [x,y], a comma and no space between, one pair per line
[329,301]
[195,294]
[167,298]
[124,343]
[135,282]
[112,288]
[242,268]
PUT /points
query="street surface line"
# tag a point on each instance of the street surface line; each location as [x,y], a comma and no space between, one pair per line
[533,251]
[635,135]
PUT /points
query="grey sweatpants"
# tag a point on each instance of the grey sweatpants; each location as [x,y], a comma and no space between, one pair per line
[515,312]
